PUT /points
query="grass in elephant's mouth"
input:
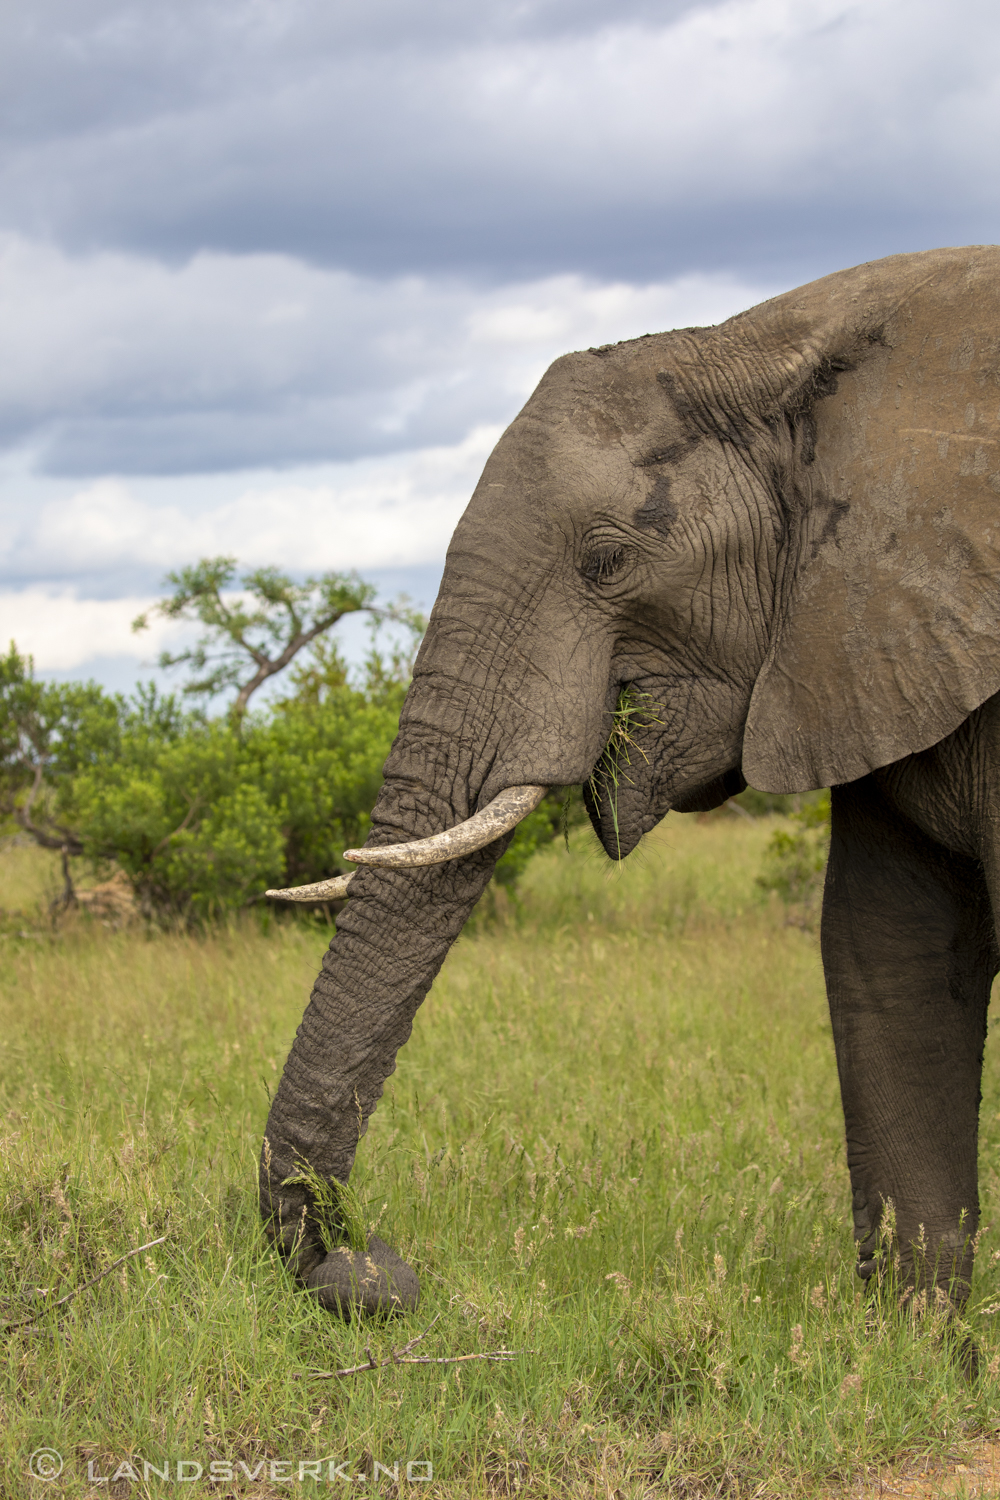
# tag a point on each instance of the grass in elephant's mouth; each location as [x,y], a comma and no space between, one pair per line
[613,1145]
[634,713]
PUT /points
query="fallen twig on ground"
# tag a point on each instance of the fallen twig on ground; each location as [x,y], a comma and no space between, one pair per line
[403,1357]
[23,1322]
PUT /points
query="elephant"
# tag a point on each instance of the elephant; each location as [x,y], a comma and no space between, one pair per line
[786,531]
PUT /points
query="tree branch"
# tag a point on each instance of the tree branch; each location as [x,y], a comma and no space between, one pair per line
[23,1322]
[271,667]
[179,829]
[403,1357]
[289,617]
[63,838]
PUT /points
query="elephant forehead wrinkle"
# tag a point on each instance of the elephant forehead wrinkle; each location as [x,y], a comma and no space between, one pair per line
[661,450]
[494,644]
[458,633]
[474,577]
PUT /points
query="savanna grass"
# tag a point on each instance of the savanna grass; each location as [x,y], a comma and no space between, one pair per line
[613,1146]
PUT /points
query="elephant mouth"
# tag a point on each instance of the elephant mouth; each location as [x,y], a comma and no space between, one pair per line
[499,816]
[712,793]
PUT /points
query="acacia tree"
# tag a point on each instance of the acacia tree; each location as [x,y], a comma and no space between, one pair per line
[29,722]
[251,635]
[202,814]
[48,732]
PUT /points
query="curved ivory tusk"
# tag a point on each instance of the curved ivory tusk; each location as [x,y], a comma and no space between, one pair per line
[500,816]
[503,813]
[334,889]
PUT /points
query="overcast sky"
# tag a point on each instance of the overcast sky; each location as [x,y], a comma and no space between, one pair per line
[275,273]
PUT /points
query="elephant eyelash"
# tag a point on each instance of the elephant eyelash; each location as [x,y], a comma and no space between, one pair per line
[603,563]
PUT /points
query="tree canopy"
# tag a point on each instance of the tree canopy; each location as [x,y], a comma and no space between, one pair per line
[252,632]
[202,813]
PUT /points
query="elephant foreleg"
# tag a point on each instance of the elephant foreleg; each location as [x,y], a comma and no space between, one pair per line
[909,955]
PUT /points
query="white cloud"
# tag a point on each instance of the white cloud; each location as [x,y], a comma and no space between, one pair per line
[62,631]
[392,511]
[439,356]
[374,514]
[383,515]
[120,363]
[368,515]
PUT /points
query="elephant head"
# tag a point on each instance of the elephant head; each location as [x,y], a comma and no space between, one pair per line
[781,532]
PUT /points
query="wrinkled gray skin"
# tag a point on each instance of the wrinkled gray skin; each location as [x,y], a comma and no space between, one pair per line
[786,530]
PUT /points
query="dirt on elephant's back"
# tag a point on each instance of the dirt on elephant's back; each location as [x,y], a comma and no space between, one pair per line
[971,1472]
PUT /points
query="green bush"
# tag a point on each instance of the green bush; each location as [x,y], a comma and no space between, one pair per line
[49,732]
[561,810]
[795,858]
[203,815]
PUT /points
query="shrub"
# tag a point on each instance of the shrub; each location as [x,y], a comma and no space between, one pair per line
[795,858]
[206,816]
[561,809]
[203,815]
[48,733]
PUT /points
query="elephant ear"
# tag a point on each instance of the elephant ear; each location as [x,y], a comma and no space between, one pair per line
[887,633]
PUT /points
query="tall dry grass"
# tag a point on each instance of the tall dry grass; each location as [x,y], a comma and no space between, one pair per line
[612,1146]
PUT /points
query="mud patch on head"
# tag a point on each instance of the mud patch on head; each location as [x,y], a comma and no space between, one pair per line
[836,510]
[657,512]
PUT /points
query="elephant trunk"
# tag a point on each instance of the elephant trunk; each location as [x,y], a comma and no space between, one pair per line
[479,721]
[390,942]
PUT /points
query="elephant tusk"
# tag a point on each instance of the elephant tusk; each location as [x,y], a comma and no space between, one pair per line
[503,813]
[500,816]
[334,889]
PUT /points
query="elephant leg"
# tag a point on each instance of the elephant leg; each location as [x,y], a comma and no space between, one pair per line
[909,955]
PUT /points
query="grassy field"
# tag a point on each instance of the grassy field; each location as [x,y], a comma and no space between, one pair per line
[613,1146]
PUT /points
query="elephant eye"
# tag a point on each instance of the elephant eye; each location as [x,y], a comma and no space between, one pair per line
[602,563]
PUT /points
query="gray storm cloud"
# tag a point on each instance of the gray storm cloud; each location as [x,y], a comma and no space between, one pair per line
[270,269]
[503,139]
[242,233]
